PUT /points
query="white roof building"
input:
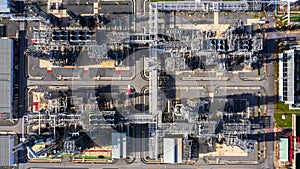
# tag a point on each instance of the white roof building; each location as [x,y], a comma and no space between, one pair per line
[4,6]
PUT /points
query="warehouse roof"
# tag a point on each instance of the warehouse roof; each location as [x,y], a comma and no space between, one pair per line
[6,75]
[6,155]
[283,149]
[4,6]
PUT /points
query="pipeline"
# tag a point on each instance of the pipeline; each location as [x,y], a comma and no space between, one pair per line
[18,147]
[281,15]
[7,133]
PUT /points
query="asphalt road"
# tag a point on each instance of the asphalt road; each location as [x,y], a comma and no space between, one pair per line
[17,128]
[122,165]
[126,82]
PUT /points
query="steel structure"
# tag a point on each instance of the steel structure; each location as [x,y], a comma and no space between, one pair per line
[22,18]
[189,42]
[212,6]
[153,77]
[196,43]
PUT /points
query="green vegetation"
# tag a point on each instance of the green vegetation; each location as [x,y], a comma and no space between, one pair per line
[281,47]
[39,143]
[66,155]
[282,23]
[286,123]
[258,15]
[283,109]
[108,157]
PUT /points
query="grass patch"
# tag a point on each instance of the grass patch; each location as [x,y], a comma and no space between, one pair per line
[39,144]
[258,15]
[66,155]
[283,109]
[286,123]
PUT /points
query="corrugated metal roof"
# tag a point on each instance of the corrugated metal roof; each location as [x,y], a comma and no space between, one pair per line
[119,145]
[169,150]
[172,149]
[6,46]
[6,155]
[4,8]
[283,149]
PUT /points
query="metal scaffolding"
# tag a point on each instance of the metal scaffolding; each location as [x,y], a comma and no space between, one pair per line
[211,6]
[153,77]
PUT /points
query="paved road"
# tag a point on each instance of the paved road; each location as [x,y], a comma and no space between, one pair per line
[273,37]
[139,165]
[233,82]
[15,128]
[22,74]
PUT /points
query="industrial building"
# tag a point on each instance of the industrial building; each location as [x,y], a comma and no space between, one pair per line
[288,75]
[7,157]
[283,150]
[119,145]
[173,150]
[6,78]
[5,6]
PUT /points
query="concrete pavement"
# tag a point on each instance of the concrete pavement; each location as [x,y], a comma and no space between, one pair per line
[15,128]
